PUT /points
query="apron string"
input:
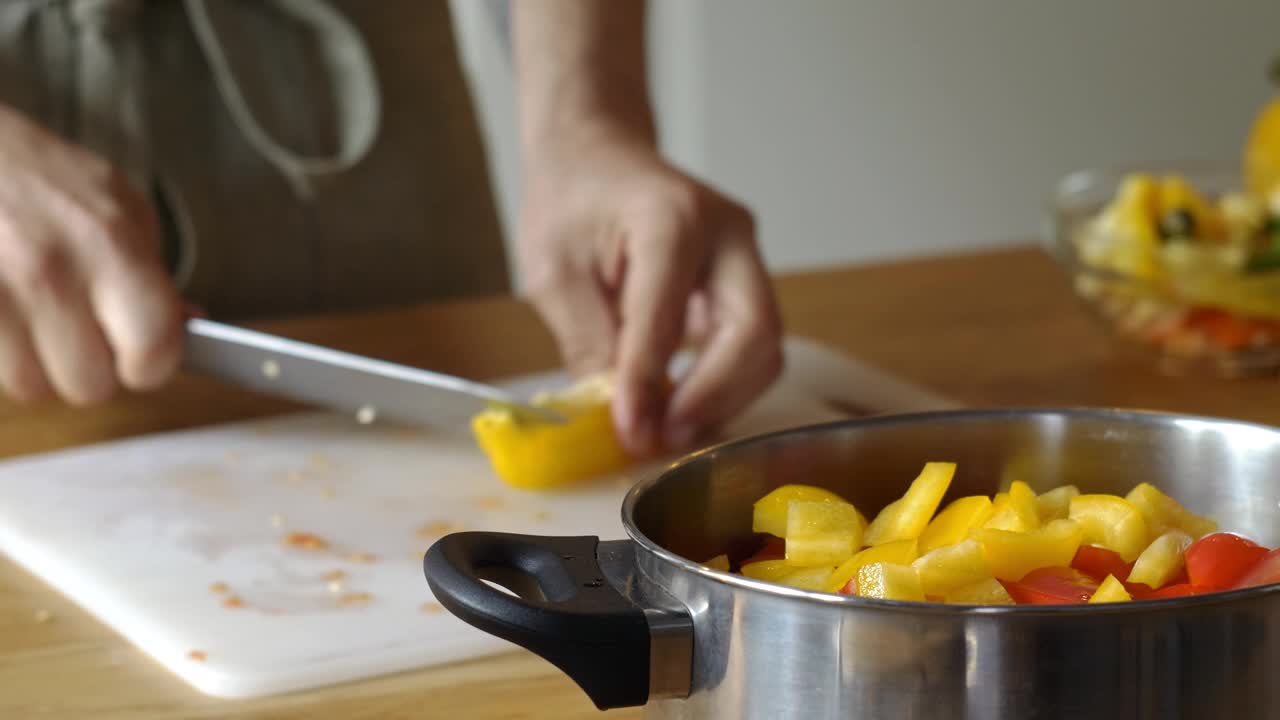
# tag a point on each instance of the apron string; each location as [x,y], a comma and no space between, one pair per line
[110,84]
[355,90]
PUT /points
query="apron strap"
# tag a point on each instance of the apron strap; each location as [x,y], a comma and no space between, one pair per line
[110,116]
[358,103]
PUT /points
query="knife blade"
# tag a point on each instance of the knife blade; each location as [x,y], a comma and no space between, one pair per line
[342,381]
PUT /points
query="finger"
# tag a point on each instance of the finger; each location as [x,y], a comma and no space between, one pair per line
[742,356]
[578,312]
[662,269]
[21,376]
[133,298]
[698,322]
[142,317]
[67,338]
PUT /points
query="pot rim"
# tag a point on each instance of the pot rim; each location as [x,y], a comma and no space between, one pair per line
[741,581]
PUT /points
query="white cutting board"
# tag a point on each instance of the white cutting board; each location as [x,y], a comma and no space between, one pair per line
[138,531]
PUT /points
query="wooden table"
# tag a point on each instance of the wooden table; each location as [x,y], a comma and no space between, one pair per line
[998,328]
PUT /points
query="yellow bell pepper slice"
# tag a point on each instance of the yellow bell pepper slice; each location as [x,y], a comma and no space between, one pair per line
[770,570]
[1162,559]
[1164,513]
[1130,224]
[999,503]
[951,567]
[988,591]
[537,456]
[1022,506]
[1140,193]
[778,571]
[1110,591]
[1023,500]
[908,516]
[901,552]
[769,514]
[1112,522]
[1011,555]
[719,562]
[1262,150]
[890,581]
[1178,194]
[1015,510]
[821,533]
[811,578]
[955,521]
[1055,504]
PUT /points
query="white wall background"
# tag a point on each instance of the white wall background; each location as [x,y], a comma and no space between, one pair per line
[869,129]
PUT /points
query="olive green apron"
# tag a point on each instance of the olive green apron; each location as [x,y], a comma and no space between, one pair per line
[306,155]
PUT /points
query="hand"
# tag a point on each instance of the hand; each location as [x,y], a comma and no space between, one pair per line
[626,257]
[85,303]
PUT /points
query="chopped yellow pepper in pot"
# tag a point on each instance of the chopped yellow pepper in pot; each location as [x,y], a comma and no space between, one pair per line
[1112,522]
[1020,548]
[821,533]
[890,581]
[769,514]
[955,521]
[907,517]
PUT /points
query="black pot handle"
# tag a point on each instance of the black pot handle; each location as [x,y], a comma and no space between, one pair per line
[566,610]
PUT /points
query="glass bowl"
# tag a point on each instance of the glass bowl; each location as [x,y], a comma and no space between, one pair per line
[1197,311]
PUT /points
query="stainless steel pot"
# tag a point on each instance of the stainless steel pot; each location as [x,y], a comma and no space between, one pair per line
[641,621]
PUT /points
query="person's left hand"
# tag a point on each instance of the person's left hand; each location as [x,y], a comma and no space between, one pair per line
[626,257]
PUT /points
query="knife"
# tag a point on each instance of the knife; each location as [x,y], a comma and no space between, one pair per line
[370,389]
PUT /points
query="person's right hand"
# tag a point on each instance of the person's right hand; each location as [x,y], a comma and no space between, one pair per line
[85,303]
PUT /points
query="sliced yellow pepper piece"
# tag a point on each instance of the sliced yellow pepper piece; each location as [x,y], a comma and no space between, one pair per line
[1015,510]
[821,533]
[1163,513]
[1128,223]
[537,456]
[1020,509]
[778,571]
[999,504]
[769,514]
[901,552]
[908,516]
[811,578]
[984,592]
[1012,555]
[949,568]
[1112,522]
[955,521]
[770,570]
[1262,150]
[1162,559]
[1055,504]
[1178,194]
[1134,240]
[1110,591]
[1140,193]
[1023,501]
[889,581]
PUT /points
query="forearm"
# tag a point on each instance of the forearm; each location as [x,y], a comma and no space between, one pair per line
[580,69]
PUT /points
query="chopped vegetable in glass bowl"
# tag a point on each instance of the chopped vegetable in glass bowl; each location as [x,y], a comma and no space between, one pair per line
[1182,264]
